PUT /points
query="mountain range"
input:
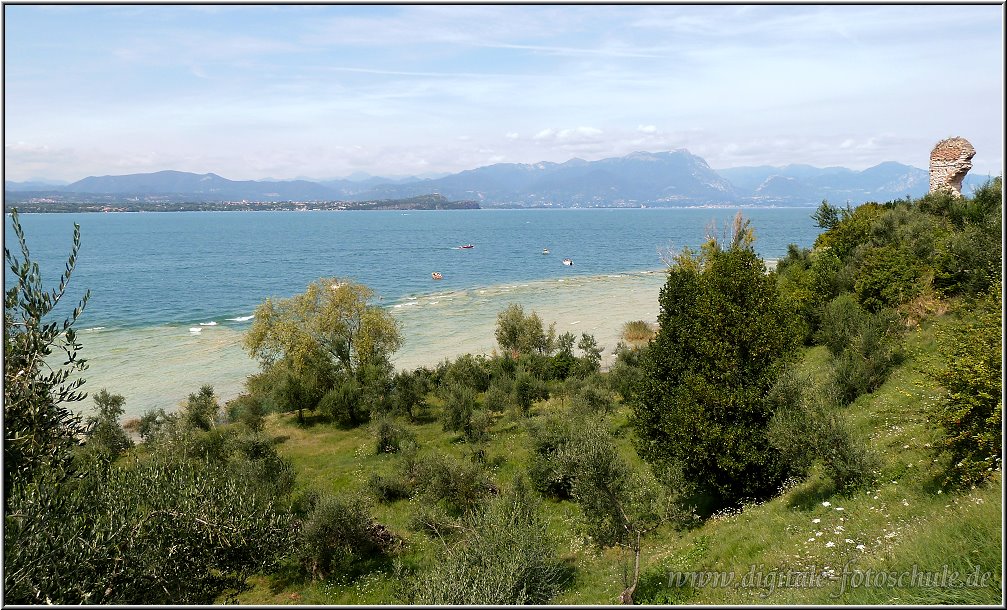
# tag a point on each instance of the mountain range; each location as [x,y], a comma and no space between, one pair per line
[660,179]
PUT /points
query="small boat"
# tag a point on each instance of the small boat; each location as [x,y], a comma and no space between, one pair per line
[467,246]
[436,275]
[545,250]
[568,262]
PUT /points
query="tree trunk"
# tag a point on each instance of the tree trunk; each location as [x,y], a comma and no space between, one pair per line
[627,595]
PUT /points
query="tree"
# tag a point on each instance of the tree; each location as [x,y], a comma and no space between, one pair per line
[725,335]
[520,334]
[39,429]
[327,330]
[105,436]
[620,504]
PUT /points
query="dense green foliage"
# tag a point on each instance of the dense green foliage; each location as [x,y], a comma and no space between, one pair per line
[209,501]
[972,416]
[328,337]
[725,335]
[505,555]
[39,428]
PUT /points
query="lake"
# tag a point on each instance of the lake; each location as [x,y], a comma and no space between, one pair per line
[172,293]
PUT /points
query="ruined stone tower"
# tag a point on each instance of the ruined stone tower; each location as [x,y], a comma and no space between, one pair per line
[950,160]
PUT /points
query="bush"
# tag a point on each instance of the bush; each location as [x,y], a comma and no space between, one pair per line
[591,398]
[888,277]
[388,488]
[853,229]
[520,334]
[637,331]
[390,435]
[467,371]
[806,428]
[343,404]
[547,474]
[972,413]
[457,485]
[459,404]
[106,439]
[842,320]
[409,392]
[865,347]
[625,375]
[162,531]
[506,556]
[249,410]
[339,536]
[528,389]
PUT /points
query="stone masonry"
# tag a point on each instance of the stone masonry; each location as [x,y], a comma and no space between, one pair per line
[950,160]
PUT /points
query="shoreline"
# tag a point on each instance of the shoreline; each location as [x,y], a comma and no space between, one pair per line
[159,366]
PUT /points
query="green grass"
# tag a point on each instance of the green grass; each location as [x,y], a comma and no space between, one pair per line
[901,523]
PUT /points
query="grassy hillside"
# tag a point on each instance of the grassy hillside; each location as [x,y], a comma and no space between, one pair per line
[858,546]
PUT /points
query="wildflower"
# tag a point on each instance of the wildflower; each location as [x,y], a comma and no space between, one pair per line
[849,541]
[826,504]
[905,502]
[840,508]
[816,520]
[860,547]
[830,544]
[811,539]
[817,534]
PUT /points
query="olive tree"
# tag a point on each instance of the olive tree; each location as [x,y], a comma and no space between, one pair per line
[40,430]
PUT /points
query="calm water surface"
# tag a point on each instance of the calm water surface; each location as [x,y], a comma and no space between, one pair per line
[157,277]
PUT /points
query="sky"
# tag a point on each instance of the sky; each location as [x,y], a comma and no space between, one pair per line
[326,91]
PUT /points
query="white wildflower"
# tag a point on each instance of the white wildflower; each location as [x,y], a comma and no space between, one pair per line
[830,544]
[826,503]
[816,520]
[849,541]
[860,547]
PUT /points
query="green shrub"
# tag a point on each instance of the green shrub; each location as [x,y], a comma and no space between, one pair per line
[339,536]
[343,404]
[459,404]
[409,392]
[249,410]
[807,428]
[528,389]
[520,334]
[972,413]
[459,486]
[106,439]
[591,399]
[888,277]
[161,531]
[500,395]
[390,435]
[388,488]
[506,556]
[968,261]
[842,320]
[467,371]
[853,229]
[625,375]
[547,474]
[865,347]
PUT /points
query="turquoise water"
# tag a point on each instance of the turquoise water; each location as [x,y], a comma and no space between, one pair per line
[172,293]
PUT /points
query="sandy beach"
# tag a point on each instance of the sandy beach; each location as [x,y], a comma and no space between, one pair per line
[157,367]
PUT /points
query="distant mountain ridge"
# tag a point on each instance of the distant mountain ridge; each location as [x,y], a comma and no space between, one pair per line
[660,179]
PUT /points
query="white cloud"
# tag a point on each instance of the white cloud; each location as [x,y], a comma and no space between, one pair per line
[647,128]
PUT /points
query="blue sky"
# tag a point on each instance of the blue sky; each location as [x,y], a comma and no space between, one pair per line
[275,91]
